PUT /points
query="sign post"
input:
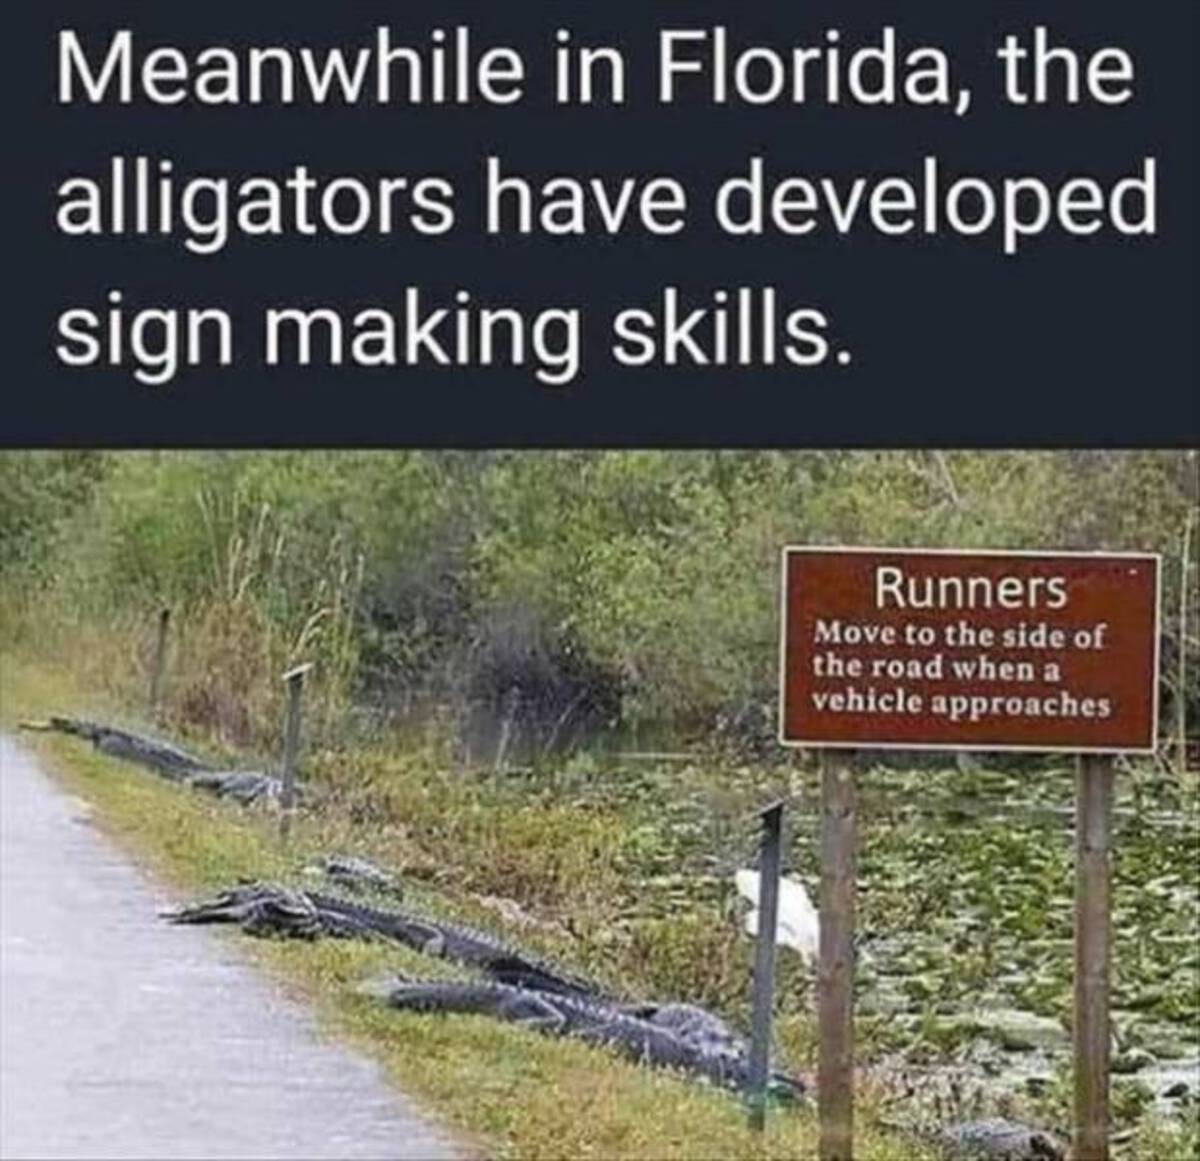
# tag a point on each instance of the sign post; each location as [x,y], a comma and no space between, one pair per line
[1093,944]
[926,649]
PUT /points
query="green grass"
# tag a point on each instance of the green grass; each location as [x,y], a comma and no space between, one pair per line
[610,868]
[506,1092]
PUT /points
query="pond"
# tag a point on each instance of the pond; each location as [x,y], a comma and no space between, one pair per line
[965,913]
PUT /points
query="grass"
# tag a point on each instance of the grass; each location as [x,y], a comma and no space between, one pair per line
[506,1092]
[623,875]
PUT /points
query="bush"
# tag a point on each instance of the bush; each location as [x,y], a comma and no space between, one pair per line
[559,592]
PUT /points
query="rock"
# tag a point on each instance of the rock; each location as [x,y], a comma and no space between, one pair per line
[1176,1091]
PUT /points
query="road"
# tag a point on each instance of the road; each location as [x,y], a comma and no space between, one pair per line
[121,1036]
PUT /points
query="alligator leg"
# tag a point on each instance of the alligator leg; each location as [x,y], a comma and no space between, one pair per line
[536,1012]
[422,937]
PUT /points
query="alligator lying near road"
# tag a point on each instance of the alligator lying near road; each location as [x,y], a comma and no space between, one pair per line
[525,990]
[173,763]
[676,1036]
[268,909]
[162,757]
[265,908]
[465,945]
[691,1040]
[521,988]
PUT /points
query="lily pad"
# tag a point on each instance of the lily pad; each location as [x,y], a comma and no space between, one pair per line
[1020,1031]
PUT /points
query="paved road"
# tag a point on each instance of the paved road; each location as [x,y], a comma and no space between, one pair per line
[123,1037]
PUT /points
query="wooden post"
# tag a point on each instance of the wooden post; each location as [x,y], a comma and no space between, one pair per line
[160,662]
[512,703]
[291,748]
[769,861]
[835,973]
[1093,942]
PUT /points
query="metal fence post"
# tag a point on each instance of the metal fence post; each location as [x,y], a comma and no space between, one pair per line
[291,747]
[769,861]
[158,670]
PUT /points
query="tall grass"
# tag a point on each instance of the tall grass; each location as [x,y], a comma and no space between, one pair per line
[583,588]
[261,612]
[249,599]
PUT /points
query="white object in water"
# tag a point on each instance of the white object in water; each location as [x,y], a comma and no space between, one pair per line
[798,925]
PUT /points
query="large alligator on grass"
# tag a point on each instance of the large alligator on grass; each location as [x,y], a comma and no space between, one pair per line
[676,1036]
[168,760]
[521,988]
[265,909]
[254,906]
[462,944]
[269,909]
[162,757]
[527,991]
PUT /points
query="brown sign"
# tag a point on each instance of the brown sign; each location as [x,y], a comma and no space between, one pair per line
[925,649]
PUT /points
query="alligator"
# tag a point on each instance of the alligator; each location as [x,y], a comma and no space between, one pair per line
[244,786]
[267,909]
[696,1025]
[163,757]
[465,945]
[520,988]
[173,763]
[436,937]
[661,1041]
[996,1140]
[261,909]
[361,876]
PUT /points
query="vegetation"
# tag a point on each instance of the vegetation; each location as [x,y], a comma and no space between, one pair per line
[573,595]
[494,632]
[507,1090]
